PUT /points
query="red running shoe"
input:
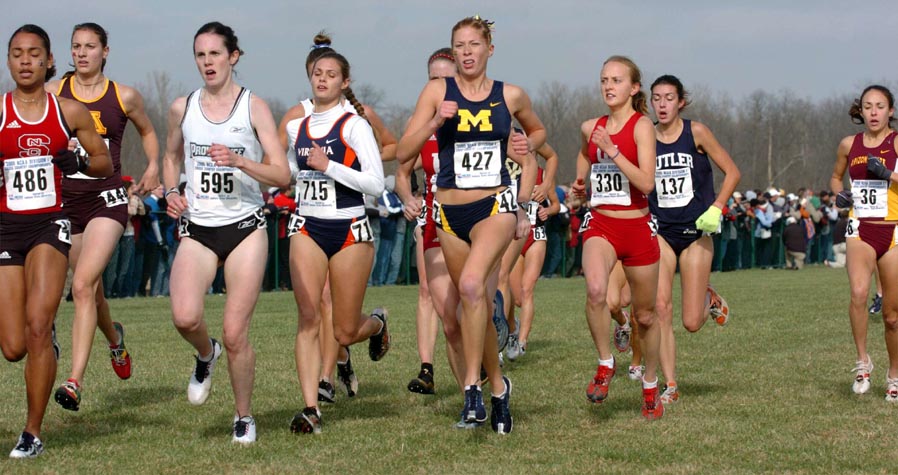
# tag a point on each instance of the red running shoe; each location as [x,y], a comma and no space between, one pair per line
[121,359]
[597,390]
[652,408]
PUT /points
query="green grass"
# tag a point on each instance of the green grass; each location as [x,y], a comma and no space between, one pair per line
[768,393]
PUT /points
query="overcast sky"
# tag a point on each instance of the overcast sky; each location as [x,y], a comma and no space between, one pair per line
[815,48]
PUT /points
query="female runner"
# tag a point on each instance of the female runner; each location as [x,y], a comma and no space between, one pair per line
[338,161]
[228,140]
[688,212]
[618,154]
[98,209]
[436,294]
[474,207]
[35,129]
[527,269]
[870,159]
[332,353]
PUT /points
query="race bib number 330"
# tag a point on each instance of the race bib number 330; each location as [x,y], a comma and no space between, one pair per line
[608,185]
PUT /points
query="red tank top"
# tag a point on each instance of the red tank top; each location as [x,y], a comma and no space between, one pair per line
[874,199]
[610,181]
[29,182]
[110,120]
[430,161]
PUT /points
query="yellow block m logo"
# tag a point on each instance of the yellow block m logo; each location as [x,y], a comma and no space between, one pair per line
[481,121]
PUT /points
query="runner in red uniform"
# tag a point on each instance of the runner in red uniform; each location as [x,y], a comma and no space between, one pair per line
[35,129]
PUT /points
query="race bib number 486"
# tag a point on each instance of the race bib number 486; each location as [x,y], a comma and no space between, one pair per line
[29,183]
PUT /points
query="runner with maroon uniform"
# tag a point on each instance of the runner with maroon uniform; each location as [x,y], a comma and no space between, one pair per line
[35,129]
[98,208]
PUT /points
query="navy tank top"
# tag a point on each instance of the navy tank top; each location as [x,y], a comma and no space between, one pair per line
[473,144]
[313,187]
[684,181]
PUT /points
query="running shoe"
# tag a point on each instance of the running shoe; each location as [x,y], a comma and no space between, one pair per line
[500,321]
[200,384]
[346,377]
[719,310]
[670,395]
[56,348]
[652,407]
[597,390]
[244,430]
[423,384]
[121,359]
[326,392]
[892,390]
[474,410]
[68,395]
[501,360]
[307,421]
[500,415]
[379,344]
[862,378]
[622,334]
[27,447]
[462,424]
[876,304]
[635,372]
[513,350]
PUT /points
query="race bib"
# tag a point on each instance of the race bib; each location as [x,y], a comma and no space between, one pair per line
[532,209]
[436,168]
[506,200]
[29,183]
[673,187]
[852,229]
[870,198]
[295,223]
[79,150]
[65,230]
[478,164]
[215,187]
[315,194]
[361,231]
[115,197]
[539,233]
[422,216]
[609,186]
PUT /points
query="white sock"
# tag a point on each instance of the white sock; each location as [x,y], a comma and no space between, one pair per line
[472,386]
[607,363]
[648,385]
[208,358]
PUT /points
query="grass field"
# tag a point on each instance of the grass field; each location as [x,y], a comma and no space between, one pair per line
[768,393]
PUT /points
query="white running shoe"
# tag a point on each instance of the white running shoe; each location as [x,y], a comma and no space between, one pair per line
[244,430]
[862,379]
[892,390]
[622,337]
[513,351]
[635,373]
[201,379]
[27,447]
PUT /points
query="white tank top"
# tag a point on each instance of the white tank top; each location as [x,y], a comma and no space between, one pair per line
[218,195]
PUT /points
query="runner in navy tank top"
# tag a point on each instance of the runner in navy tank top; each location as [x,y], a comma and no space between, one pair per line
[687,212]
[437,297]
[35,129]
[617,156]
[473,209]
[98,209]
[870,158]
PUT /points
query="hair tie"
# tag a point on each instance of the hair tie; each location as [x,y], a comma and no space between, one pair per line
[489,24]
[322,45]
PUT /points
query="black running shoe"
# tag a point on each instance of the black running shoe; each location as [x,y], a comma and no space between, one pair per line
[346,376]
[379,344]
[326,392]
[499,320]
[307,421]
[28,446]
[500,415]
[423,384]
[876,305]
[474,410]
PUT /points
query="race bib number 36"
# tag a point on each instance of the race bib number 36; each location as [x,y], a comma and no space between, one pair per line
[673,187]
[478,164]
[29,183]
[315,194]
[870,198]
[608,185]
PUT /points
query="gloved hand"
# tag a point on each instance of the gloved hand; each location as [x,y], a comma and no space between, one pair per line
[69,162]
[709,221]
[877,168]
[844,199]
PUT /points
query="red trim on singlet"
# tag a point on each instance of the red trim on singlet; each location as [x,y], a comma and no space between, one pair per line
[626,144]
